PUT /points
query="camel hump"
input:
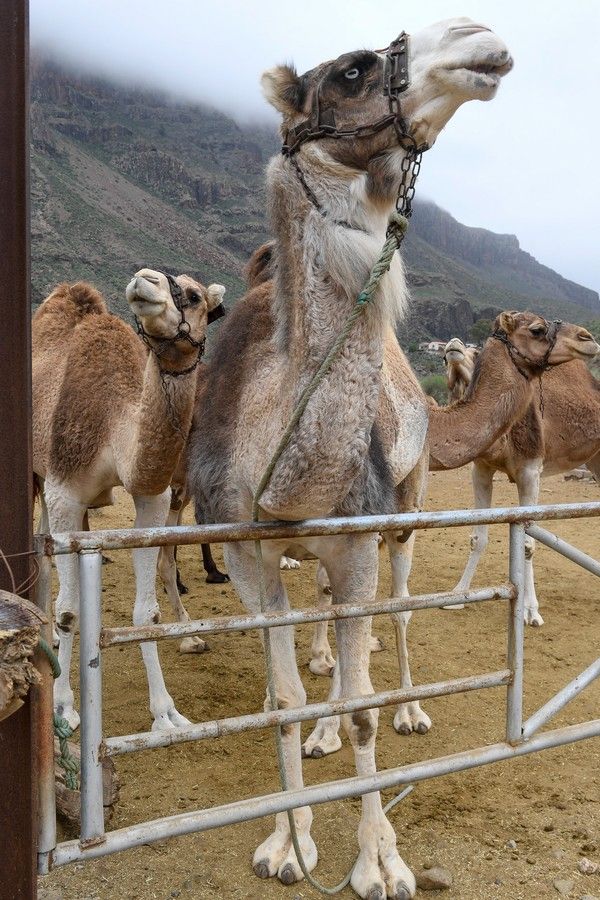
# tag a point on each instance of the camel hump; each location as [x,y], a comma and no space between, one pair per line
[260,266]
[84,297]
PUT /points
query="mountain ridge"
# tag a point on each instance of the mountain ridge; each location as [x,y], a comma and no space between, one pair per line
[125,177]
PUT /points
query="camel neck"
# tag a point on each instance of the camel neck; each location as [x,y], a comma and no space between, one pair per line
[497,398]
[321,268]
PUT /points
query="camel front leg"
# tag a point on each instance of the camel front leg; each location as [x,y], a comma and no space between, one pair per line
[167,569]
[409,716]
[151,512]
[379,871]
[482,477]
[528,486]
[65,513]
[276,856]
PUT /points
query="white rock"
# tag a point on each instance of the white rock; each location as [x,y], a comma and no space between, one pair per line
[587,867]
[564,886]
[434,879]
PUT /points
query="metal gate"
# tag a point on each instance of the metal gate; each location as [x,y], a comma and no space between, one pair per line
[521,737]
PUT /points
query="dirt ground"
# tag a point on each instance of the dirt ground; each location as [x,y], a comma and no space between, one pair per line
[548,804]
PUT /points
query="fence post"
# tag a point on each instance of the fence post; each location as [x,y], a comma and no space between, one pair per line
[90,700]
[18,789]
[514,698]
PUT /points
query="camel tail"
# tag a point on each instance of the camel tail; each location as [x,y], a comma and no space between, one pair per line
[261,265]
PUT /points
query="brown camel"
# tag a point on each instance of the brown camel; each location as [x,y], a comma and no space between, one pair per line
[109,410]
[566,435]
[329,201]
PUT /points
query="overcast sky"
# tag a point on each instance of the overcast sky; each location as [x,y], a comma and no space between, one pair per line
[526,163]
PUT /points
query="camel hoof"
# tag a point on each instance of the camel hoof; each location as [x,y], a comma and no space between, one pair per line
[404,728]
[315,753]
[287,875]
[375,893]
[193,645]
[402,892]
[421,728]
[217,577]
[262,869]
[377,645]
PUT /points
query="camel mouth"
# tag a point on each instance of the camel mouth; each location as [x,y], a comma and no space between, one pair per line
[454,350]
[484,74]
[144,297]
[586,349]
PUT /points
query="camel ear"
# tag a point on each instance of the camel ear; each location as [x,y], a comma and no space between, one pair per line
[507,321]
[214,295]
[282,87]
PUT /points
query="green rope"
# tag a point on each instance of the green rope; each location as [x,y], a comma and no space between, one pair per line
[62,729]
[397,227]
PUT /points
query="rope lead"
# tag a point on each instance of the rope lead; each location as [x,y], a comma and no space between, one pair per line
[397,226]
[62,729]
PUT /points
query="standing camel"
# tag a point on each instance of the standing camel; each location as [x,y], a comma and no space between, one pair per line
[329,200]
[107,411]
[566,435]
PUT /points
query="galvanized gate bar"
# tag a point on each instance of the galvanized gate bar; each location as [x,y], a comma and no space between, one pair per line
[564,696]
[148,740]
[137,633]
[90,673]
[45,736]
[129,538]
[257,807]
[514,657]
[564,548]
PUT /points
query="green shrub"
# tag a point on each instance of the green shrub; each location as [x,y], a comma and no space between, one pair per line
[435,386]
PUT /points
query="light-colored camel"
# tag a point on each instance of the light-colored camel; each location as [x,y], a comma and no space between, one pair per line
[565,436]
[457,434]
[109,411]
[329,208]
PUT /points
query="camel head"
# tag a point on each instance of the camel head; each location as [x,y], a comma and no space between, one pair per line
[448,63]
[537,343]
[164,306]
[459,361]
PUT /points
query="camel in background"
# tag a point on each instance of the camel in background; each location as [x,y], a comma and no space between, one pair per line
[566,435]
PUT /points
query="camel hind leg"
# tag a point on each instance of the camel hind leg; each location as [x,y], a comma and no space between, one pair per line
[482,477]
[167,569]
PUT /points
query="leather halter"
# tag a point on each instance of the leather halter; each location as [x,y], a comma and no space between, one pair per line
[322,121]
[538,366]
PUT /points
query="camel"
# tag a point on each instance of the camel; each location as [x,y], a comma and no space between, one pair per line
[499,395]
[329,199]
[109,411]
[566,435]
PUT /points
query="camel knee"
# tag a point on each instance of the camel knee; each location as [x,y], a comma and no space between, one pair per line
[146,612]
[66,620]
[361,727]
[529,547]
[479,541]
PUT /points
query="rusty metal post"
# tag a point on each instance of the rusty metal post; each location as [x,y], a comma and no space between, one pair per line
[18,804]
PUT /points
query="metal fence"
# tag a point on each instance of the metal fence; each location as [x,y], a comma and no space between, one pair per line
[521,737]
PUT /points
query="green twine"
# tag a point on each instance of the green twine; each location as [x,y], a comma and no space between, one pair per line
[62,729]
[396,230]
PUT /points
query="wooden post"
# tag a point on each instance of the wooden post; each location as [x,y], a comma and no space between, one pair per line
[18,791]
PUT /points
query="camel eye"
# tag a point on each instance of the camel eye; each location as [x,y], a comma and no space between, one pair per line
[352,74]
[195,297]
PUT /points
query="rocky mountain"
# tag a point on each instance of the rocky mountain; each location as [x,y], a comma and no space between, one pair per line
[123,178]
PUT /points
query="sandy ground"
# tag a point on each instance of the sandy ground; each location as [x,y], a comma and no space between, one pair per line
[548,804]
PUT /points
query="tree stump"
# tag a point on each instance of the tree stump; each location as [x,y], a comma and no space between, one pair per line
[68,802]
[20,623]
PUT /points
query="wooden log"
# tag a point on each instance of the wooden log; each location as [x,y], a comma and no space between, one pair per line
[20,623]
[68,802]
